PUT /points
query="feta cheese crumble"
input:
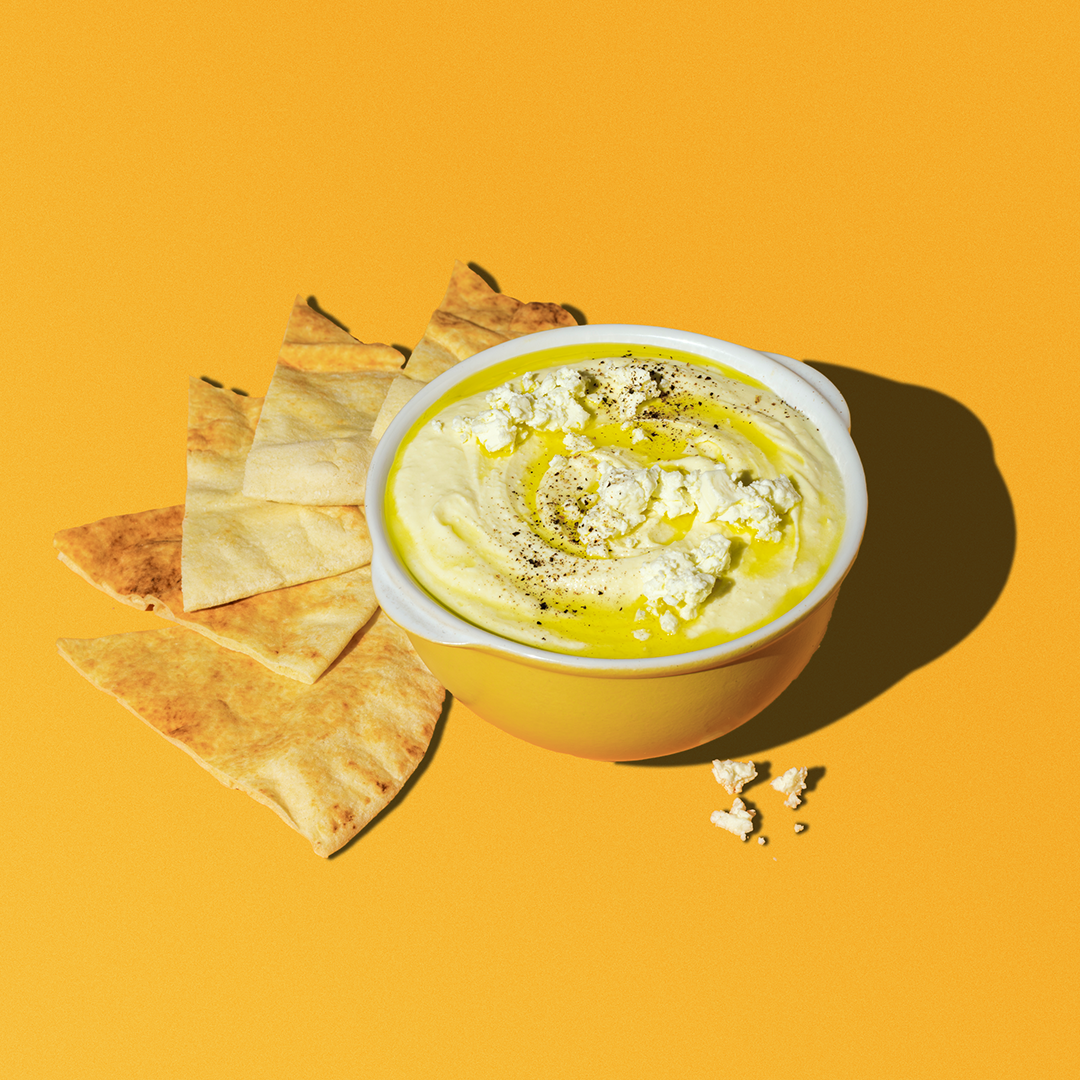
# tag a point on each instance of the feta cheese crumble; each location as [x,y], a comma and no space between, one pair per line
[673,578]
[633,386]
[546,402]
[577,444]
[556,399]
[756,506]
[799,828]
[672,499]
[621,499]
[732,775]
[738,820]
[494,430]
[790,784]
[713,555]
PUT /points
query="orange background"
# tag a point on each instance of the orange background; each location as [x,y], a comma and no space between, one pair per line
[890,194]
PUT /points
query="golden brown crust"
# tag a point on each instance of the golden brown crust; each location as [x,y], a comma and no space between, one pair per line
[326,758]
[473,317]
[135,558]
[296,631]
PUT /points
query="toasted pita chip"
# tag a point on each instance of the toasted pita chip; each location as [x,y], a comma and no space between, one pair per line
[326,758]
[401,390]
[235,546]
[297,631]
[313,343]
[312,445]
[472,317]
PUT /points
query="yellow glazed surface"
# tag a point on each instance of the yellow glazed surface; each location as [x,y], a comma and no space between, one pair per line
[623,719]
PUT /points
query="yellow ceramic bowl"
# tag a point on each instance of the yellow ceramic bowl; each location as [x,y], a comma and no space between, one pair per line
[619,710]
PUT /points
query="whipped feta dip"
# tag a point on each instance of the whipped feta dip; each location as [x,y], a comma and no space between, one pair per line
[619,506]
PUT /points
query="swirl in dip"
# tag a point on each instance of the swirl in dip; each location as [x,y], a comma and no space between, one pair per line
[615,501]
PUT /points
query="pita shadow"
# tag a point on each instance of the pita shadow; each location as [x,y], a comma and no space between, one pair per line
[476,268]
[487,275]
[579,315]
[314,305]
[938,549]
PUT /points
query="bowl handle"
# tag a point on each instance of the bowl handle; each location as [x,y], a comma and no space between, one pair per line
[818,382]
[417,615]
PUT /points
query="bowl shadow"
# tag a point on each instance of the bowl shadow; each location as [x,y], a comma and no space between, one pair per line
[937,552]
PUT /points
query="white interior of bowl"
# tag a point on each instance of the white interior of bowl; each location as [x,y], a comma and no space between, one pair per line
[801,386]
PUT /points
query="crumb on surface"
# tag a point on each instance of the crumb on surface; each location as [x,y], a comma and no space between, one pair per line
[732,775]
[799,827]
[790,784]
[738,820]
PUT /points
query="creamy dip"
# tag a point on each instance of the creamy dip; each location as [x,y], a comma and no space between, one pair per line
[616,506]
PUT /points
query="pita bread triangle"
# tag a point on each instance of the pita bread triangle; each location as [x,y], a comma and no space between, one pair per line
[314,343]
[235,546]
[313,441]
[325,758]
[296,631]
[473,317]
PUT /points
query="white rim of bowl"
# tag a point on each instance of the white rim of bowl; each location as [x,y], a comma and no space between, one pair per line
[409,605]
